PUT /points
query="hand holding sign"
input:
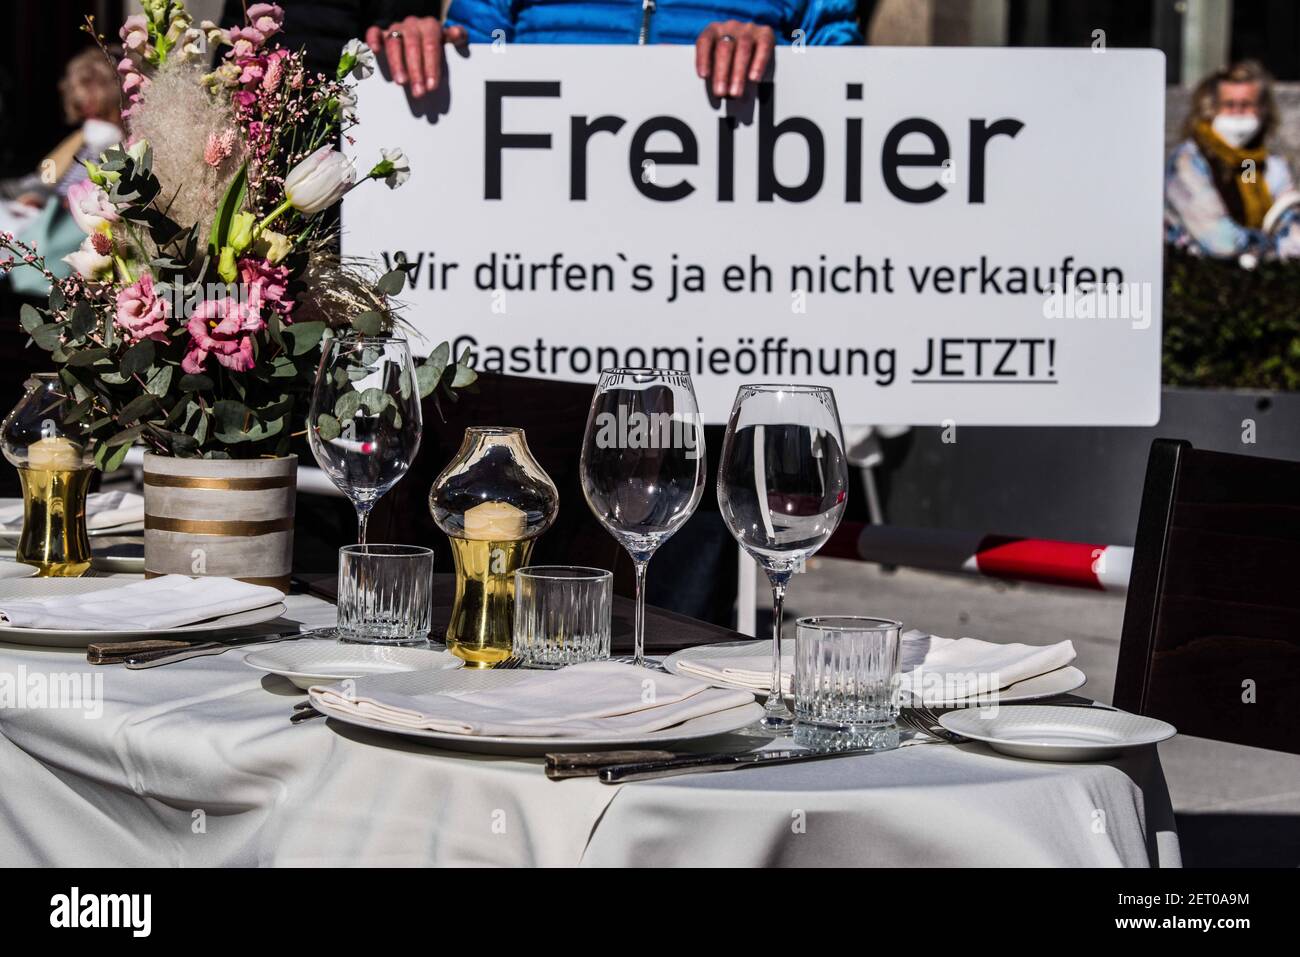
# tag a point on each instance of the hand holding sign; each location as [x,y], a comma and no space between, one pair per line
[413,50]
[731,52]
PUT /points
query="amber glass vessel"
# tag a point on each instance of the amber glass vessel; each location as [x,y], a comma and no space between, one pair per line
[493,500]
[55,462]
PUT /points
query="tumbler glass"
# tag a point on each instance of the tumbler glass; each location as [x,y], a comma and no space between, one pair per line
[385,593]
[846,675]
[562,614]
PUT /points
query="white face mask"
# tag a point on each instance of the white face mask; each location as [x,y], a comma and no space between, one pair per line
[1236,129]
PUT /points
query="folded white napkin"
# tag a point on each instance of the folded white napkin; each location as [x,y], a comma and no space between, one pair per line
[938,668]
[748,671]
[941,669]
[596,699]
[103,510]
[157,603]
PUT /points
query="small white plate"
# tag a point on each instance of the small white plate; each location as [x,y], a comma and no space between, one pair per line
[1047,733]
[706,726]
[1050,685]
[45,587]
[122,558]
[13,569]
[316,662]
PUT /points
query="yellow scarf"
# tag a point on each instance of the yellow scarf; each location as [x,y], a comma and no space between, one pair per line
[1230,172]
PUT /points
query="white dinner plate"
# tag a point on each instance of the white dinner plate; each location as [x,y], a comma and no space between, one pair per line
[467,679]
[56,638]
[1047,733]
[13,569]
[120,558]
[1050,685]
[319,662]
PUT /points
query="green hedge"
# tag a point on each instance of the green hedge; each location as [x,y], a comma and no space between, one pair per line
[1228,327]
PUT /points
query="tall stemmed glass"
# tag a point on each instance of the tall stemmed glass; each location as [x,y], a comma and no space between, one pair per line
[643,464]
[782,486]
[364,424]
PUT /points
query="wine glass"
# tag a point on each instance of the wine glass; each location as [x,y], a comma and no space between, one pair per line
[643,464]
[364,424]
[782,487]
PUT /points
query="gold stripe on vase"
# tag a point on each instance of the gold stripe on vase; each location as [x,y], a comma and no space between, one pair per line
[281,582]
[219,484]
[236,529]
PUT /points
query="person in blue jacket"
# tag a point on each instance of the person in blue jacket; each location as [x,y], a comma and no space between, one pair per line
[733,38]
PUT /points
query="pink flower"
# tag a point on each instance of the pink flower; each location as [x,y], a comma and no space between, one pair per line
[219,147]
[274,73]
[135,32]
[268,285]
[223,329]
[246,41]
[141,313]
[266,18]
[252,69]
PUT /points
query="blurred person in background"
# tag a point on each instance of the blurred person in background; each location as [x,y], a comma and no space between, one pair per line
[1226,195]
[733,38]
[34,206]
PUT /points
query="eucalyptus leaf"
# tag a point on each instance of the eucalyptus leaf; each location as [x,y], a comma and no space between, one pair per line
[303,336]
[82,320]
[87,357]
[160,380]
[376,400]
[464,376]
[327,427]
[195,382]
[346,405]
[369,323]
[138,407]
[392,283]
[125,437]
[427,377]
[46,336]
[138,358]
[30,318]
[230,416]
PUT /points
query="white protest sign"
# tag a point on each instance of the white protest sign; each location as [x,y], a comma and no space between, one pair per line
[942,235]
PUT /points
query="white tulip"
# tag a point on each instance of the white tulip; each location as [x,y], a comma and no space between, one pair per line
[319,181]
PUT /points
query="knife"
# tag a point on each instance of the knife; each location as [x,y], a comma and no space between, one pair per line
[690,764]
[588,764]
[152,659]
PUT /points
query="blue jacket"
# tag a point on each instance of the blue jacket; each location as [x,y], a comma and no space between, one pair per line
[822,22]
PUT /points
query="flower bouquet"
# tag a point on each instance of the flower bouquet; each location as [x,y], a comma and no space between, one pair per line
[209,279]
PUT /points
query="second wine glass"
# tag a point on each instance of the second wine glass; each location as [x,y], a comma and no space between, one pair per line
[782,487]
[643,464]
[365,423]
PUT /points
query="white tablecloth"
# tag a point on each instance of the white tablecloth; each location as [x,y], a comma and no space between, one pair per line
[196,763]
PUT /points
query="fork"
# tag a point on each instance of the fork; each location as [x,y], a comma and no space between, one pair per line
[304,711]
[507,664]
[925,721]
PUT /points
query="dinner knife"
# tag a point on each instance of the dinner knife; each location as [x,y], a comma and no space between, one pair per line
[693,763]
[152,659]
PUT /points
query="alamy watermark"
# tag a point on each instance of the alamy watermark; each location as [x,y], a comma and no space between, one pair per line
[633,429]
[73,691]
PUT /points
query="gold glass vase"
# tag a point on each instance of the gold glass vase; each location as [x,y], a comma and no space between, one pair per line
[493,500]
[55,463]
